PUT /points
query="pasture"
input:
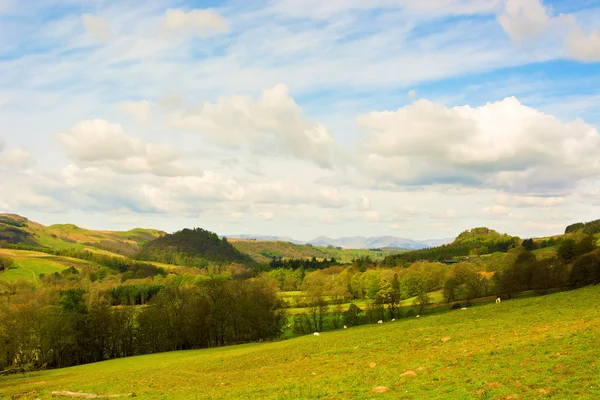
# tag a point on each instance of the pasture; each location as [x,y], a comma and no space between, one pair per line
[529,348]
[30,264]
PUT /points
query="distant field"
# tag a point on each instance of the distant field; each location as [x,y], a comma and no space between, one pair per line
[436,297]
[30,264]
[533,348]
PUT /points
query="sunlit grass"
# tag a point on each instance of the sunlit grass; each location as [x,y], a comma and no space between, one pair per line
[538,347]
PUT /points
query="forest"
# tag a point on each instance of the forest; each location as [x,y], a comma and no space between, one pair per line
[55,328]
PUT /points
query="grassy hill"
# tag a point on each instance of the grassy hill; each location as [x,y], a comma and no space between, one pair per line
[15,229]
[476,241]
[540,347]
[192,247]
[30,264]
[263,251]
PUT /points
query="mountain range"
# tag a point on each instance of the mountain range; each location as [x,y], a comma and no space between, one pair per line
[354,242]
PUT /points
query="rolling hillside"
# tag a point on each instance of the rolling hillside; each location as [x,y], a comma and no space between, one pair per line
[192,247]
[263,251]
[539,347]
[15,229]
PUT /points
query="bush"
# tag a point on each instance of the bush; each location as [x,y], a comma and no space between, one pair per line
[456,306]
[6,263]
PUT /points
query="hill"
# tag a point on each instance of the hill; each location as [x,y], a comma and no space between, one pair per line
[590,228]
[264,251]
[194,248]
[15,229]
[539,347]
[476,241]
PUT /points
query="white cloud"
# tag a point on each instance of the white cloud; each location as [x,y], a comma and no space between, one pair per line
[503,145]
[529,22]
[326,9]
[583,47]
[100,143]
[96,27]
[531,201]
[267,215]
[363,202]
[273,123]
[196,22]
[140,111]
[13,157]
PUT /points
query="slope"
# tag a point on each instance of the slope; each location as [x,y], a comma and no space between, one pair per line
[194,248]
[263,251]
[15,229]
[540,347]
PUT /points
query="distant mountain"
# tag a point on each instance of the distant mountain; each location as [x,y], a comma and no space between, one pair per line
[353,242]
[361,242]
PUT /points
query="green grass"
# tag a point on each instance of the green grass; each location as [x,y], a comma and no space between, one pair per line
[30,264]
[538,347]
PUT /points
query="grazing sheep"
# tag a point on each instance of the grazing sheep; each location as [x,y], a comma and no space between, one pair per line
[498,300]
[418,316]
[316,334]
[345,327]
[380,322]
[464,308]
[393,319]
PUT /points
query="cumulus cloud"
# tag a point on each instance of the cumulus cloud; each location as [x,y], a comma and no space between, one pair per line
[272,123]
[583,47]
[529,21]
[13,157]
[96,27]
[140,111]
[100,143]
[195,22]
[504,145]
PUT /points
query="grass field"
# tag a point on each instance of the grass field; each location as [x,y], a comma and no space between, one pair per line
[533,348]
[30,264]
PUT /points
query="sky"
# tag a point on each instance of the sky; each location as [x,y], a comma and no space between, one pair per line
[300,118]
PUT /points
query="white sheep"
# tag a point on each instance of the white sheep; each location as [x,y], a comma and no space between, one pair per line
[380,322]
[418,316]
[464,308]
[393,319]
[345,327]
[498,300]
[317,334]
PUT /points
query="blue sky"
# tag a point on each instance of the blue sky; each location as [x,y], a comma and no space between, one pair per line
[302,118]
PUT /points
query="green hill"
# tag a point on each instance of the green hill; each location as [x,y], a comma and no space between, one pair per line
[533,348]
[18,230]
[192,247]
[263,251]
[476,241]
[590,228]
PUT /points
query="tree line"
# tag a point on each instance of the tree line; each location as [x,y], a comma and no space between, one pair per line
[61,328]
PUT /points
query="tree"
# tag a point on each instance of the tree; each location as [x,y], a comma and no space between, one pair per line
[566,250]
[351,316]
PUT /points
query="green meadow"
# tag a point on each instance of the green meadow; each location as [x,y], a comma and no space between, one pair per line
[529,348]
